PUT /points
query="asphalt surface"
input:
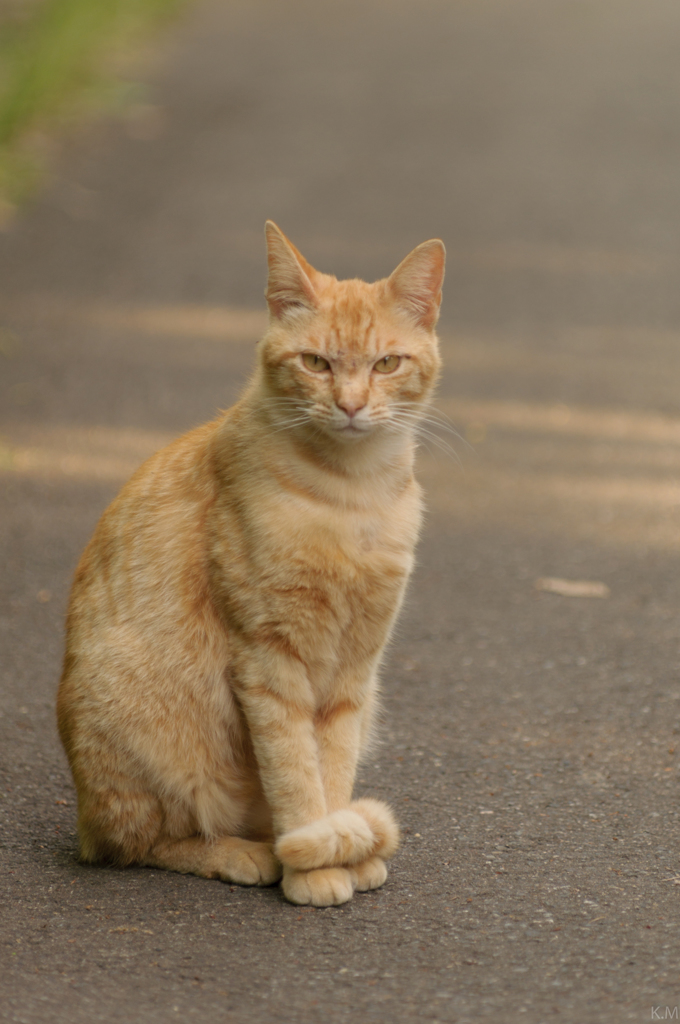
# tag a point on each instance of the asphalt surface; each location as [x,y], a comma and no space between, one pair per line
[530,741]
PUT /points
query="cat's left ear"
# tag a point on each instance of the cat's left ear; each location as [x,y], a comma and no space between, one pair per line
[290,287]
[416,284]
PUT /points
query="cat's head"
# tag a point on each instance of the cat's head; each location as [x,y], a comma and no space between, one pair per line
[346,358]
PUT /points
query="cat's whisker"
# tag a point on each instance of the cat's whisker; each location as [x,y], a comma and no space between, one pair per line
[435,413]
[288,403]
[423,427]
[286,415]
[418,429]
[420,439]
[283,400]
[425,410]
[279,399]
[290,424]
[427,418]
[427,435]
[285,411]
[396,425]
[429,413]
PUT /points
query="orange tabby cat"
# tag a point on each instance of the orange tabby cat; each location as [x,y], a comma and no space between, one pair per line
[229,614]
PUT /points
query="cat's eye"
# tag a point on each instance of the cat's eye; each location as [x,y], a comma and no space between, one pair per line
[315,363]
[387,364]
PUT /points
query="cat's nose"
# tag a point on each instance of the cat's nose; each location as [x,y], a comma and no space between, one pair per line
[349,407]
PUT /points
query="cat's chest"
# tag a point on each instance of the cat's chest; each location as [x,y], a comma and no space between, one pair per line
[351,542]
[370,540]
[346,573]
[334,573]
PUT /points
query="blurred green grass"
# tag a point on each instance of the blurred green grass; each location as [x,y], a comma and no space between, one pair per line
[58,64]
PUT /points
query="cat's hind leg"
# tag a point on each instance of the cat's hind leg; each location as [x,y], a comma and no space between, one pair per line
[123,824]
[228,858]
[118,822]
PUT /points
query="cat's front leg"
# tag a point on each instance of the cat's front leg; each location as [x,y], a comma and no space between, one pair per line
[353,831]
[344,729]
[277,700]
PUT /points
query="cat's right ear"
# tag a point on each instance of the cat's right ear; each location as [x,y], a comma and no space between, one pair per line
[289,287]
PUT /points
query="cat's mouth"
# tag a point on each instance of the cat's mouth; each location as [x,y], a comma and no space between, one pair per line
[352,430]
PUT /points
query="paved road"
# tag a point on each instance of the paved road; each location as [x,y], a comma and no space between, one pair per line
[530,739]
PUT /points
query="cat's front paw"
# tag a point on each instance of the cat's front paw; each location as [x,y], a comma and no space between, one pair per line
[342,837]
[365,829]
[370,874]
[323,887]
[383,825]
